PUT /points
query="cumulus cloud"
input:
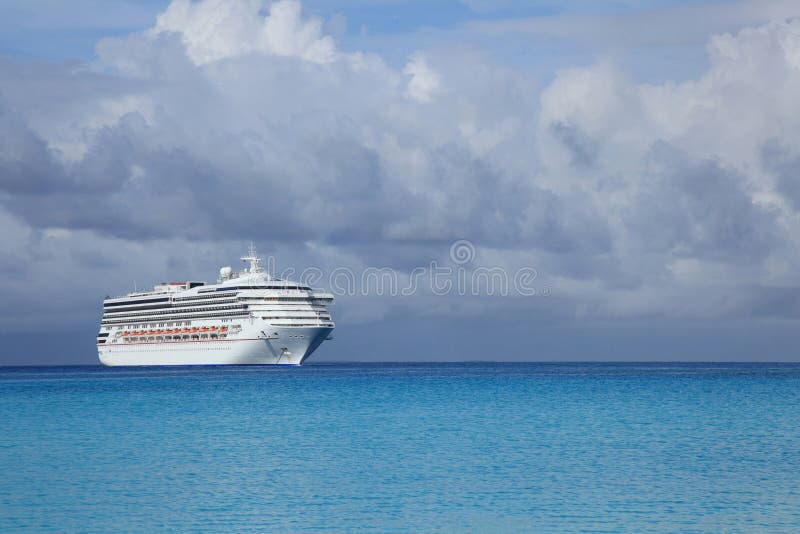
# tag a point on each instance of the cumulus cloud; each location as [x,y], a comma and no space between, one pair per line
[235,120]
[218,29]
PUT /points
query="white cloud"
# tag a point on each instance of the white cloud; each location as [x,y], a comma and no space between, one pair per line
[218,29]
[424,82]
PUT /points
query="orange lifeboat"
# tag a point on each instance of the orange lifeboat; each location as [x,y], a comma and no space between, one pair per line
[204,329]
[213,328]
[185,330]
[223,329]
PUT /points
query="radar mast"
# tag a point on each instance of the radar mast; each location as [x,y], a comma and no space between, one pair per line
[252,257]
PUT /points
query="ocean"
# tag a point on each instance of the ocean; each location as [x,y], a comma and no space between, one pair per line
[475,447]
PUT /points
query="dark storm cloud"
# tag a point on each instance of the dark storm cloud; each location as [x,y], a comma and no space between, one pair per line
[785,167]
[582,148]
[26,164]
[699,209]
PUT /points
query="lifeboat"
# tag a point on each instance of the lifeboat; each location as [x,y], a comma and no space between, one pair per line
[185,330]
[195,329]
[223,329]
[124,334]
[213,328]
[204,329]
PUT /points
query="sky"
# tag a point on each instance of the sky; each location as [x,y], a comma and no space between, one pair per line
[629,169]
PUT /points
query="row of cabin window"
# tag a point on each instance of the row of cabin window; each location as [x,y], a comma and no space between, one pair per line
[221,317]
[169,305]
[168,310]
[167,324]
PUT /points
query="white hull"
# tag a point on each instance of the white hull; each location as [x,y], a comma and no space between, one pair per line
[283,346]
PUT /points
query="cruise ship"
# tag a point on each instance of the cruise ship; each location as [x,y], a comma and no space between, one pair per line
[247,317]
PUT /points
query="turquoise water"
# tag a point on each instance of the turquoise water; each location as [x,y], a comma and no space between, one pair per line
[439,447]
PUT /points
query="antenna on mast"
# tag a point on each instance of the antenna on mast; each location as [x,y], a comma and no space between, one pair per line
[252,257]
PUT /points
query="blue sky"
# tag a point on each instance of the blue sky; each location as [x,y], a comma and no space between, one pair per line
[70,30]
[642,157]
[47,29]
